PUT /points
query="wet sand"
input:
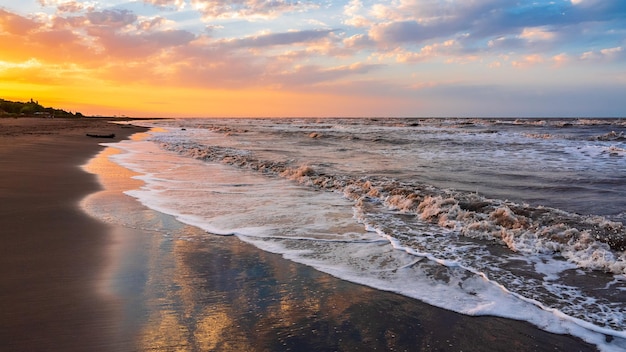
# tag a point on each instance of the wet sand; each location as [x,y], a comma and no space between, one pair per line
[50,249]
[136,279]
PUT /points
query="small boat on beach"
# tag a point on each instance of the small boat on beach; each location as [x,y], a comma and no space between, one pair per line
[99,135]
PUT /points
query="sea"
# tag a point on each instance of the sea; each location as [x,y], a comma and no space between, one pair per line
[516,218]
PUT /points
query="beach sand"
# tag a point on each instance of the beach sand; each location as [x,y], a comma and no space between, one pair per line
[50,249]
[135,279]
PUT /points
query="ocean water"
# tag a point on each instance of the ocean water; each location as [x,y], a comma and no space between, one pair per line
[518,218]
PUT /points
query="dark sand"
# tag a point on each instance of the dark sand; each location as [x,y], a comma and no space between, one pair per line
[145,281]
[50,249]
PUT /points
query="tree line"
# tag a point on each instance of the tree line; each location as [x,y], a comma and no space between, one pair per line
[32,108]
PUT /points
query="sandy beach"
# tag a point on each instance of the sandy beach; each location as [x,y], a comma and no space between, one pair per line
[50,249]
[139,280]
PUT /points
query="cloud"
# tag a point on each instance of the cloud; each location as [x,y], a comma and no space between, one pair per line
[274,39]
[560,59]
[604,55]
[505,43]
[72,7]
[65,6]
[418,20]
[15,24]
[111,18]
[359,41]
[248,9]
[528,60]
[492,25]
[24,38]
[139,45]
[176,4]
[353,13]
[447,48]
[310,75]
[399,32]
[86,39]
[119,33]
[152,23]
[537,34]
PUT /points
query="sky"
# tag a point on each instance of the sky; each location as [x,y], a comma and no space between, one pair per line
[280,58]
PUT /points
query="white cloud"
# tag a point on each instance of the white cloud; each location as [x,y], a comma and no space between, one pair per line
[610,52]
[536,34]
[428,52]
[607,54]
[177,4]
[355,15]
[248,9]
[65,6]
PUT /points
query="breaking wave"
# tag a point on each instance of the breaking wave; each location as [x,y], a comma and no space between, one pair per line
[591,242]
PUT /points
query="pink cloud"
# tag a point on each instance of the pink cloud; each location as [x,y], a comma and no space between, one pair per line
[16,24]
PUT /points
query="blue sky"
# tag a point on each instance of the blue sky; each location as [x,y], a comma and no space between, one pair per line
[320,58]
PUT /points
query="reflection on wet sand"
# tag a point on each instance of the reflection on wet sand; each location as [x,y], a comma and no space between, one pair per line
[220,294]
[182,289]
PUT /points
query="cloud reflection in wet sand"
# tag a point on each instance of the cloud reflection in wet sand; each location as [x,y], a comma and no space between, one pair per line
[217,293]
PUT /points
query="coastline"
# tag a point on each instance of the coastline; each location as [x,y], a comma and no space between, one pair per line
[178,287]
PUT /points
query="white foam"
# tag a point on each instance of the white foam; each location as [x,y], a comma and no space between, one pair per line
[550,268]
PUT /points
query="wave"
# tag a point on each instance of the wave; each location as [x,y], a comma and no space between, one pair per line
[615,151]
[610,137]
[591,242]
[539,135]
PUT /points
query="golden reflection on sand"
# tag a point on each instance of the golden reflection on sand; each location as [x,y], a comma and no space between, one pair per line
[111,176]
[176,319]
[165,333]
[216,330]
[216,305]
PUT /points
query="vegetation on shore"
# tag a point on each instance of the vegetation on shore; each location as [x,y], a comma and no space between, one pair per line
[31,109]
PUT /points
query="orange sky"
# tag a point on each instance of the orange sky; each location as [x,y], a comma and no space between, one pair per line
[156,58]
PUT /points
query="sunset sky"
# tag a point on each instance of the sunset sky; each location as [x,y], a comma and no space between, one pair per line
[317,58]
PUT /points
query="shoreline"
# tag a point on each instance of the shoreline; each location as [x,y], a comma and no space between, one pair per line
[174,286]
